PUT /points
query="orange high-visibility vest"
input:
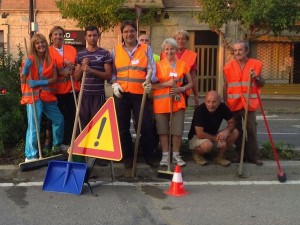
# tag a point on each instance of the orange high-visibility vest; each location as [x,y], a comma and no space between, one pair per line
[64,85]
[189,58]
[131,73]
[46,93]
[162,97]
[238,80]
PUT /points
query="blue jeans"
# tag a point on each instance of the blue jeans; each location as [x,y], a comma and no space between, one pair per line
[51,110]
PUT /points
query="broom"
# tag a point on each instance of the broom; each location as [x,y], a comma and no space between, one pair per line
[41,161]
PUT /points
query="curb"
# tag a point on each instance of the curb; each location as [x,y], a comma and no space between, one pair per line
[269,171]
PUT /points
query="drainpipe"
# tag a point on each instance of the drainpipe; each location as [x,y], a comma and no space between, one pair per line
[33,26]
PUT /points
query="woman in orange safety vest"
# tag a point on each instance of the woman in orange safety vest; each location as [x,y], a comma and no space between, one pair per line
[39,77]
[64,56]
[169,102]
[190,58]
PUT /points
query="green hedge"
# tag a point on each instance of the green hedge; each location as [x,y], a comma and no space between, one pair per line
[13,122]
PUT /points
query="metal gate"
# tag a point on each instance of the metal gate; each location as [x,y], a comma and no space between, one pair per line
[281,68]
[207,62]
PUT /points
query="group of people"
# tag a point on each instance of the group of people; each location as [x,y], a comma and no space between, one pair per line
[49,72]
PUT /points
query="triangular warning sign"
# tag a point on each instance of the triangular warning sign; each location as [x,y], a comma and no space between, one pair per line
[100,138]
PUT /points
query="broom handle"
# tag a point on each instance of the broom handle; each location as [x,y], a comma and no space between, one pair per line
[170,135]
[77,116]
[244,129]
[34,111]
[75,101]
[268,129]
[138,131]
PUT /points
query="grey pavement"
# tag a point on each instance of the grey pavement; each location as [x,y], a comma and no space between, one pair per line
[191,172]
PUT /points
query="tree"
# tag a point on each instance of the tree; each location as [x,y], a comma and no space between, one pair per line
[101,13]
[105,14]
[255,17]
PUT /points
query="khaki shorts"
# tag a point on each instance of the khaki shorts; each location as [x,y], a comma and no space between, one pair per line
[162,123]
[195,142]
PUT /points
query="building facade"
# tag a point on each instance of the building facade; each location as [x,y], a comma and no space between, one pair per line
[280,55]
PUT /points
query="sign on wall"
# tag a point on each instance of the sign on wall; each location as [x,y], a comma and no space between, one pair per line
[73,37]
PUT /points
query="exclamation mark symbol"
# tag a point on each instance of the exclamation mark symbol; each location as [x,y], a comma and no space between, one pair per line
[103,121]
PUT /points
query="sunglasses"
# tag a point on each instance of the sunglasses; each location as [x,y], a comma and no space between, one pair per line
[147,40]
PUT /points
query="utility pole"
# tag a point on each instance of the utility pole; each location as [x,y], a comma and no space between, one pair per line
[31,18]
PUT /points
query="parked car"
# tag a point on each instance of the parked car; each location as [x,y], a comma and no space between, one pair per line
[3,90]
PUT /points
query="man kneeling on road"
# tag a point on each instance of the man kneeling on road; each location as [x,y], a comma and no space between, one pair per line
[204,135]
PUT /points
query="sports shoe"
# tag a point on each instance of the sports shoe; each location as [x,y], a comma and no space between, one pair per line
[176,159]
[199,159]
[63,147]
[46,151]
[221,161]
[164,160]
[30,159]
[55,149]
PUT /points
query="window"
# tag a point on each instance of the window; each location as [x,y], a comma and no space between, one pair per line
[277,61]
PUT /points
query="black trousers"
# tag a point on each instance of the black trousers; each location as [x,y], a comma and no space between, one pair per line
[124,106]
[251,145]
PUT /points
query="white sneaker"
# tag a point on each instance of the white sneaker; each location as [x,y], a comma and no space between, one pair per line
[176,159]
[63,147]
[164,160]
[30,159]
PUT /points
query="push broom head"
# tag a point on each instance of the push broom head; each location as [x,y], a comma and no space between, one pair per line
[165,174]
[40,162]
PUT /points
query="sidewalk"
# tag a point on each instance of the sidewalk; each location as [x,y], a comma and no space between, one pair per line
[191,172]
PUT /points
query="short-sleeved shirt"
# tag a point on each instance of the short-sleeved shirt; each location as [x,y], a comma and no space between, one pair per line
[93,84]
[210,121]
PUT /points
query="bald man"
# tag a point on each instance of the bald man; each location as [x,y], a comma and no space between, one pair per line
[204,134]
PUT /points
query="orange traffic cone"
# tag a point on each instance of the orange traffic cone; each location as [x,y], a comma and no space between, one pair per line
[176,188]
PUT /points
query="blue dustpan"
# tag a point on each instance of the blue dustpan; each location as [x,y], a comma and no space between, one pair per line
[66,177]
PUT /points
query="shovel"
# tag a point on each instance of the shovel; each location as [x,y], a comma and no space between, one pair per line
[67,177]
[138,132]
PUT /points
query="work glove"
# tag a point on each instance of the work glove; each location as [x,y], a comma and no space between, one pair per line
[28,64]
[36,83]
[147,87]
[117,90]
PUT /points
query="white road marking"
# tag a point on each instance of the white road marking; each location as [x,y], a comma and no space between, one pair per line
[187,183]
[278,133]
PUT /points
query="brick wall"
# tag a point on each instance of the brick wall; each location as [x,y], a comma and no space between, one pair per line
[43,5]
[14,4]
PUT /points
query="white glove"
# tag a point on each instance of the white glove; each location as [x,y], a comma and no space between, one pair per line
[117,90]
[147,87]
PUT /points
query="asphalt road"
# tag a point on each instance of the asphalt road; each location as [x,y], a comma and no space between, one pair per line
[234,204]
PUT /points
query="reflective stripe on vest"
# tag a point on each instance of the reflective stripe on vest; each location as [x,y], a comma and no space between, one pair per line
[63,84]
[131,73]
[162,97]
[45,93]
[189,58]
[237,85]
[131,79]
